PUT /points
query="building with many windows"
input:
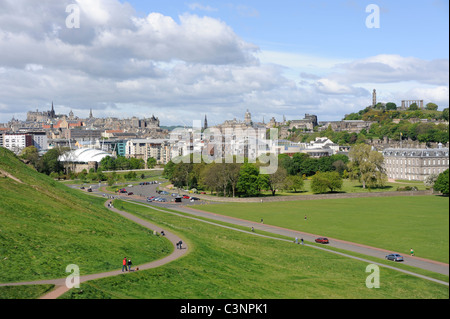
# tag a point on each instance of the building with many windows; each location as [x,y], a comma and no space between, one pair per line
[415,164]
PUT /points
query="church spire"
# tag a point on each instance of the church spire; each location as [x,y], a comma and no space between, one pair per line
[205,125]
[52,112]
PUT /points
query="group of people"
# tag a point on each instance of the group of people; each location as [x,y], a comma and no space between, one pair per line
[296,241]
[126,264]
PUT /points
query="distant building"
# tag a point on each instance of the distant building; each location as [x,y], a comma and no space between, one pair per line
[16,142]
[158,149]
[351,126]
[415,164]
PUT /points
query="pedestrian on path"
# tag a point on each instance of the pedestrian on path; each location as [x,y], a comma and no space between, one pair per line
[296,240]
[129,264]
[124,264]
[301,240]
[412,252]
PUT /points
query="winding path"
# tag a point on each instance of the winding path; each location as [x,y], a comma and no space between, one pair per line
[60,284]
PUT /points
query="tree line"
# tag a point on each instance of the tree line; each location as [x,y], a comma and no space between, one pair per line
[245,180]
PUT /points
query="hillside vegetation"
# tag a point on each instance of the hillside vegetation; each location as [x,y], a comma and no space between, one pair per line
[45,226]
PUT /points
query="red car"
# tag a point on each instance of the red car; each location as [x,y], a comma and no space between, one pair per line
[186,197]
[322,240]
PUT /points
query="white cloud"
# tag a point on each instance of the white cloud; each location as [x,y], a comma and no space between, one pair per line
[119,63]
[198,6]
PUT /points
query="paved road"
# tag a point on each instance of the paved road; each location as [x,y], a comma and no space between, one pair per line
[60,284]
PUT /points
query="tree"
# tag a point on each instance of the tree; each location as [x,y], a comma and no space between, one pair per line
[168,170]
[30,154]
[431,106]
[441,184]
[445,114]
[209,179]
[49,162]
[413,107]
[322,182]
[366,165]
[276,180]
[151,162]
[294,182]
[248,180]
[390,106]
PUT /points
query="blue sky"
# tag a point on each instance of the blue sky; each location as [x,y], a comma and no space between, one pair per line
[326,28]
[182,59]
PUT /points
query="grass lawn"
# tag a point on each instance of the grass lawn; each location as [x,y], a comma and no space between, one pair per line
[393,223]
[350,186]
[45,226]
[226,264]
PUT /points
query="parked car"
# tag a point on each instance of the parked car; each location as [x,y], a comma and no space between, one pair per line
[89,190]
[178,199]
[174,194]
[82,187]
[195,198]
[394,257]
[186,197]
[322,240]
[130,193]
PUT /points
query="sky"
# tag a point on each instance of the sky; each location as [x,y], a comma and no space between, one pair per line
[183,59]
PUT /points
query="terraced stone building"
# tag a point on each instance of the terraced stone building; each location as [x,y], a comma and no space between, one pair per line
[415,164]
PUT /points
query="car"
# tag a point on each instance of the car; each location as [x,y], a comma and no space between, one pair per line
[174,194]
[394,257]
[82,187]
[186,197]
[178,199]
[195,198]
[130,193]
[322,240]
[89,190]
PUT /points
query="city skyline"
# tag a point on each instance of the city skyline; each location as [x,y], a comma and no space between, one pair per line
[182,60]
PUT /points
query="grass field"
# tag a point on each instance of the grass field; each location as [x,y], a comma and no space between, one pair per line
[225,264]
[45,226]
[393,223]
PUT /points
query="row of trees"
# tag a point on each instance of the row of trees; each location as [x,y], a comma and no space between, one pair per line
[245,179]
[122,163]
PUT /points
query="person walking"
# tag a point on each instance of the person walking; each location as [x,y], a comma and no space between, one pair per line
[301,241]
[412,252]
[129,264]
[124,264]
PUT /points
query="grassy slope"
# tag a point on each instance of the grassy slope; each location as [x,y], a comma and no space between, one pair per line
[226,264]
[393,223]
[45,226]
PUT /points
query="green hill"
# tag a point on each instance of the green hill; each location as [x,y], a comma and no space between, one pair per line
[45,226]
